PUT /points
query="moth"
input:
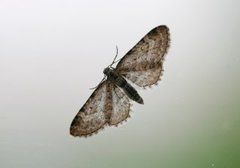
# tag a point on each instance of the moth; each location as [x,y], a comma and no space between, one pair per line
[109,104]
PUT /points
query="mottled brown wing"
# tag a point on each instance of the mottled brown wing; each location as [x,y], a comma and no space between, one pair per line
[143,63]
[95,112]
[120,106]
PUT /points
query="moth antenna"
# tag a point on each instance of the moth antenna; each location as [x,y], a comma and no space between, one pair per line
[115,57]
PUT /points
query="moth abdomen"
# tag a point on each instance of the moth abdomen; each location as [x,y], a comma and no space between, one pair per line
[118,80]
[132,93]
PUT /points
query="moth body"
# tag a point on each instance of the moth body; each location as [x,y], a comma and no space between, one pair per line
[118,80]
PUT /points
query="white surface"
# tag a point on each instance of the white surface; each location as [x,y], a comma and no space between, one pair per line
[52,52]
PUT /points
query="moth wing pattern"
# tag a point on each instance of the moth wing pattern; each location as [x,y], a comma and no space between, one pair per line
[143,64]
[120,106]
[94,113]
[107,105]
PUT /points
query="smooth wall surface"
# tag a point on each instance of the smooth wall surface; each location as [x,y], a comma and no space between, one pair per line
[52,52]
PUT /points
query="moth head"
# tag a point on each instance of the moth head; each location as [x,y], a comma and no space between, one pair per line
[106,71]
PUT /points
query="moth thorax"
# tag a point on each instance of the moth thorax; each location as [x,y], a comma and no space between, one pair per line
[107,71]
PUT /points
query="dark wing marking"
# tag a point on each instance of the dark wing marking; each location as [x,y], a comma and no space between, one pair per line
[95,112]
[120,106]
[145,77]
[143,63]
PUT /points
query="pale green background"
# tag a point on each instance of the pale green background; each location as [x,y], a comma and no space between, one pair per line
[53,51]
